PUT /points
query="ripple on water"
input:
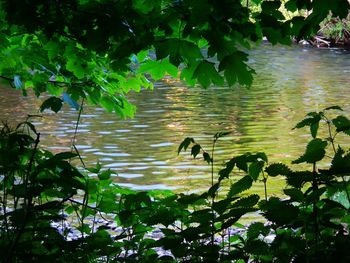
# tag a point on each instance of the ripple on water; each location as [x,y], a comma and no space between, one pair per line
[114,154]
[162,144]
[129,175]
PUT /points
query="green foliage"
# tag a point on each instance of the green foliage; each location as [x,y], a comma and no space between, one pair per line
[102,50]
[52,211]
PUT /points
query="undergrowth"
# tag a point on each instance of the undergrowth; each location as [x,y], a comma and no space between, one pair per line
[52,211]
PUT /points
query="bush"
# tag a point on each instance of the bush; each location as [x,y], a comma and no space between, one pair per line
[52,211]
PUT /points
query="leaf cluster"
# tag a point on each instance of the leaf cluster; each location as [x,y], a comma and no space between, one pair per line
[53,211]
[102,50]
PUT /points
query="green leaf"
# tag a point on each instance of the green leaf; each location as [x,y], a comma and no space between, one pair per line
[299,178]
[206,157]
[270,6]
[255,169]
[333,108]
[143,6]
[158,69]
[248,201]
[340,163]
[295,194]
[221,134]
[108,103]
[206,74]
[64,156]
[279,212]
[342,124]
[235,69]
[241,185]
[53,103]
[257,228]
[195,150]
[105,175]
[312,120]
[276,169]
[77,67]
[315,151]
[185,143]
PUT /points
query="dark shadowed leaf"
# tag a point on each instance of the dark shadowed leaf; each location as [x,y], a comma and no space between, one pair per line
[276,169]
[185,143]
[257,228]
[342,124]
[294,194]
[315,151]
[206,74]
[206,157]
[241,185]
[255,169]
[333,108]
[248,201]
[195,150]
[53,103]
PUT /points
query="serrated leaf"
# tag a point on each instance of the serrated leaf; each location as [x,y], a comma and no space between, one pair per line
[312,120]
[276,169]
[241,185]
[257,228]
[340,163]
[295,194]
[206,74]
[224,173]
[53,103]
[342,124]
[76,66]
[298,179]
[248,201]
[235,69]
[158,69]
[279,212]
[315,151]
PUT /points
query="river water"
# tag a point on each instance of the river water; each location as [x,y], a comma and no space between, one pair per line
[290,82]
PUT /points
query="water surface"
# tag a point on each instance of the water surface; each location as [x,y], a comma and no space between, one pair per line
[290,82]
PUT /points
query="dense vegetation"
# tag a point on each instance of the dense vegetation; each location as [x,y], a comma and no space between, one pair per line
[53,212]
[98,51]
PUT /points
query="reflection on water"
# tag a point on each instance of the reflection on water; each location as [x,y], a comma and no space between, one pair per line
[143,151]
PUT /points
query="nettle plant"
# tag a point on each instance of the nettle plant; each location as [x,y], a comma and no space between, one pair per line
[53,211]
[311,222]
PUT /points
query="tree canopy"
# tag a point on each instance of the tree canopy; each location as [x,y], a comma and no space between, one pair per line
[99,50]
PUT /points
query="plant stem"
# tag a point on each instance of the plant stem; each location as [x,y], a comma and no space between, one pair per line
[77,123]
[315,209]
[27,201]
[213,196]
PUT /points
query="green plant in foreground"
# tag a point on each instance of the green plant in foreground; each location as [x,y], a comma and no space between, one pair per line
[53,212]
